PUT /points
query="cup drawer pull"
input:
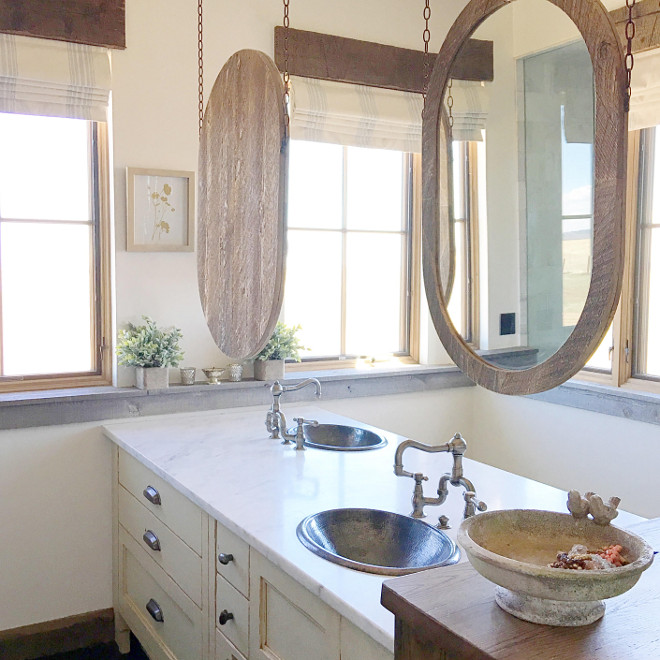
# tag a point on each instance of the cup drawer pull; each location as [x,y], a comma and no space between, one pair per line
[224,559]
[151,540]
[152,494]
[224,617]
[154,609]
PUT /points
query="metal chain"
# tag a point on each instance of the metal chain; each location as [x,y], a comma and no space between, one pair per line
[200,62]
[286,77]
[450,105]
[630,58]
[426,35]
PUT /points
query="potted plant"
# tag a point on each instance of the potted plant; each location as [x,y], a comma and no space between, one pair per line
[151,351]
[283,344]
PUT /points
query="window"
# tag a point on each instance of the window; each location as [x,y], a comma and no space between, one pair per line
[53,268]
[349,261]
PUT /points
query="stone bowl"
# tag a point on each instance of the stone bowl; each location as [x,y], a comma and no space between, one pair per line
[513,548]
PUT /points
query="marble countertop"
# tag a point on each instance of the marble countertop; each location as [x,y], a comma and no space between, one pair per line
[225,462]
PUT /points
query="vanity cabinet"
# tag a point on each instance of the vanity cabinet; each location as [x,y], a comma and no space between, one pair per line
[191,589]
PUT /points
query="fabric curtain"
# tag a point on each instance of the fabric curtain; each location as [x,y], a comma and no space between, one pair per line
[54,78]
[470,110]
[355,115]
[645,99]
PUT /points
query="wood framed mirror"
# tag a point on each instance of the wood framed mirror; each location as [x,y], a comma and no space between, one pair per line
[561,320]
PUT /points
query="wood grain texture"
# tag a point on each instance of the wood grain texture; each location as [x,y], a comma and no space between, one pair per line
[241,206]
[453,609]
[93,22]
[601,38]
[647,24]
[328,57]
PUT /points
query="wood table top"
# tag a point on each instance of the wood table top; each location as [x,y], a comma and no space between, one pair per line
[455,607]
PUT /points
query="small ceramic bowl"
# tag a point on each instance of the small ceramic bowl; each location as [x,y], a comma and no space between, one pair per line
[213,374]
[513,549]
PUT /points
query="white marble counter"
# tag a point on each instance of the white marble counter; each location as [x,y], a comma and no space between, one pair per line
[260,489]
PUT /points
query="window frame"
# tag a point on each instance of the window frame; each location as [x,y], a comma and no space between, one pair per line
[411,263]
[101,321]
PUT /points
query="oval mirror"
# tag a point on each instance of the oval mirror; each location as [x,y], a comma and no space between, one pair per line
[550,191]
[241,204]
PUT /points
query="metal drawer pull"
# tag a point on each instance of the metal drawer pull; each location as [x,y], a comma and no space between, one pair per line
[151,540]
[224,617]
[152,494]
[224,559]
[154,609]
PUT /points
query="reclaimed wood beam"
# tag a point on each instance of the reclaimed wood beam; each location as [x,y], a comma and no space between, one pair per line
[92,22]
[646,15]
[328,57]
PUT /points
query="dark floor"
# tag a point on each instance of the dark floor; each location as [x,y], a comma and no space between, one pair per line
[102,652]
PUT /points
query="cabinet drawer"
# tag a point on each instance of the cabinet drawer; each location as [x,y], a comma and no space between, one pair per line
[224,649]
[236,570]
[228,600]
[143,582]
[182,516]
[176,558]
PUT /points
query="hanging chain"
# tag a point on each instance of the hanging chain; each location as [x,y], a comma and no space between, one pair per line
[630,58]
[450,105]
[286,77]
[426,35]
[200,62]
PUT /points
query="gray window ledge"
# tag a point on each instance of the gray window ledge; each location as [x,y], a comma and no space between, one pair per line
[52,407]
[605,399]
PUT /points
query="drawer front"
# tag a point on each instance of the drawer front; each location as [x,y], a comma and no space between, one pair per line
[235,553]
[176,558]
[143,584]
[224,649]
[229,600]
[182,516]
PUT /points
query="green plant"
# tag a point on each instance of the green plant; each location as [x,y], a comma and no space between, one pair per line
[148,346]
[283,344]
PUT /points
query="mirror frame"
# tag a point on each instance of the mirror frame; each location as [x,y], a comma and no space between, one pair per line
[610,143]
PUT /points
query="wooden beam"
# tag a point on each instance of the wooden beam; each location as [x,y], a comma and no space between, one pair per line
[646,14]
[328,57]
[92,22]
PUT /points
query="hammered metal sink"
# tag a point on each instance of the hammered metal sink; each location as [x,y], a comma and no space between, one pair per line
[376,541]
[341,438]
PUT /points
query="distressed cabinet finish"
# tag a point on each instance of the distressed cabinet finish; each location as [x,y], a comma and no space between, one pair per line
[191,589]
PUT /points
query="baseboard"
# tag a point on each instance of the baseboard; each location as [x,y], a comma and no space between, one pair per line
[60,636]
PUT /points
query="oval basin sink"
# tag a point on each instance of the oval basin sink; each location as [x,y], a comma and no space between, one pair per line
[376,541]
[341,438]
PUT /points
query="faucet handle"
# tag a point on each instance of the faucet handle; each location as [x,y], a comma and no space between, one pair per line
[472,504]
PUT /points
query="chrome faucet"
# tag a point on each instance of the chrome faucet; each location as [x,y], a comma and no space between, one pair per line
[457,447]
[275,418]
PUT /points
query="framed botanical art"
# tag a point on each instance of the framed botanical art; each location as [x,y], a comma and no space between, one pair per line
[161,210]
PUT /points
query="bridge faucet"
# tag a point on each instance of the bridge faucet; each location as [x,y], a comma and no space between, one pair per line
[275,418]
[457,447]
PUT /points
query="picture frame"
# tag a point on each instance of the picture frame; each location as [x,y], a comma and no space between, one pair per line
[160,210]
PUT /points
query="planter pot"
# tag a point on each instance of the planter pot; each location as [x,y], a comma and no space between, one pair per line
[151,378]
[268,369]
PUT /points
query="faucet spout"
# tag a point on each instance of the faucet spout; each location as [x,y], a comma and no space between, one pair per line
[275,419]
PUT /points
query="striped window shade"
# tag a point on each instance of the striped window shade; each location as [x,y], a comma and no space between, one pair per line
[470,110]
[355,115]
[54,78]
[645,99]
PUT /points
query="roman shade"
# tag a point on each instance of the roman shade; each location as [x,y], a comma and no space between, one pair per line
[645,99]
[53,78]
[470,110]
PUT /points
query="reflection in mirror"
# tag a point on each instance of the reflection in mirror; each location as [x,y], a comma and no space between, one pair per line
[535,126]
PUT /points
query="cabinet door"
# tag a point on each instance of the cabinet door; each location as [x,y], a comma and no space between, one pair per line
[357,645]
[287,622]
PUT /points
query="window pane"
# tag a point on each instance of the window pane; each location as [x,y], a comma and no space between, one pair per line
[375,189]
[315,185]
[601,359]
[313,289]
[44,168]
[373,294]
[46,298]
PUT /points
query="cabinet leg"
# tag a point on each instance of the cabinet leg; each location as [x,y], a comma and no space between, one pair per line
[122,634]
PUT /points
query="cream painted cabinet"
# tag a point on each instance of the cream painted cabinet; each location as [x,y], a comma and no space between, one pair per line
[191,589]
